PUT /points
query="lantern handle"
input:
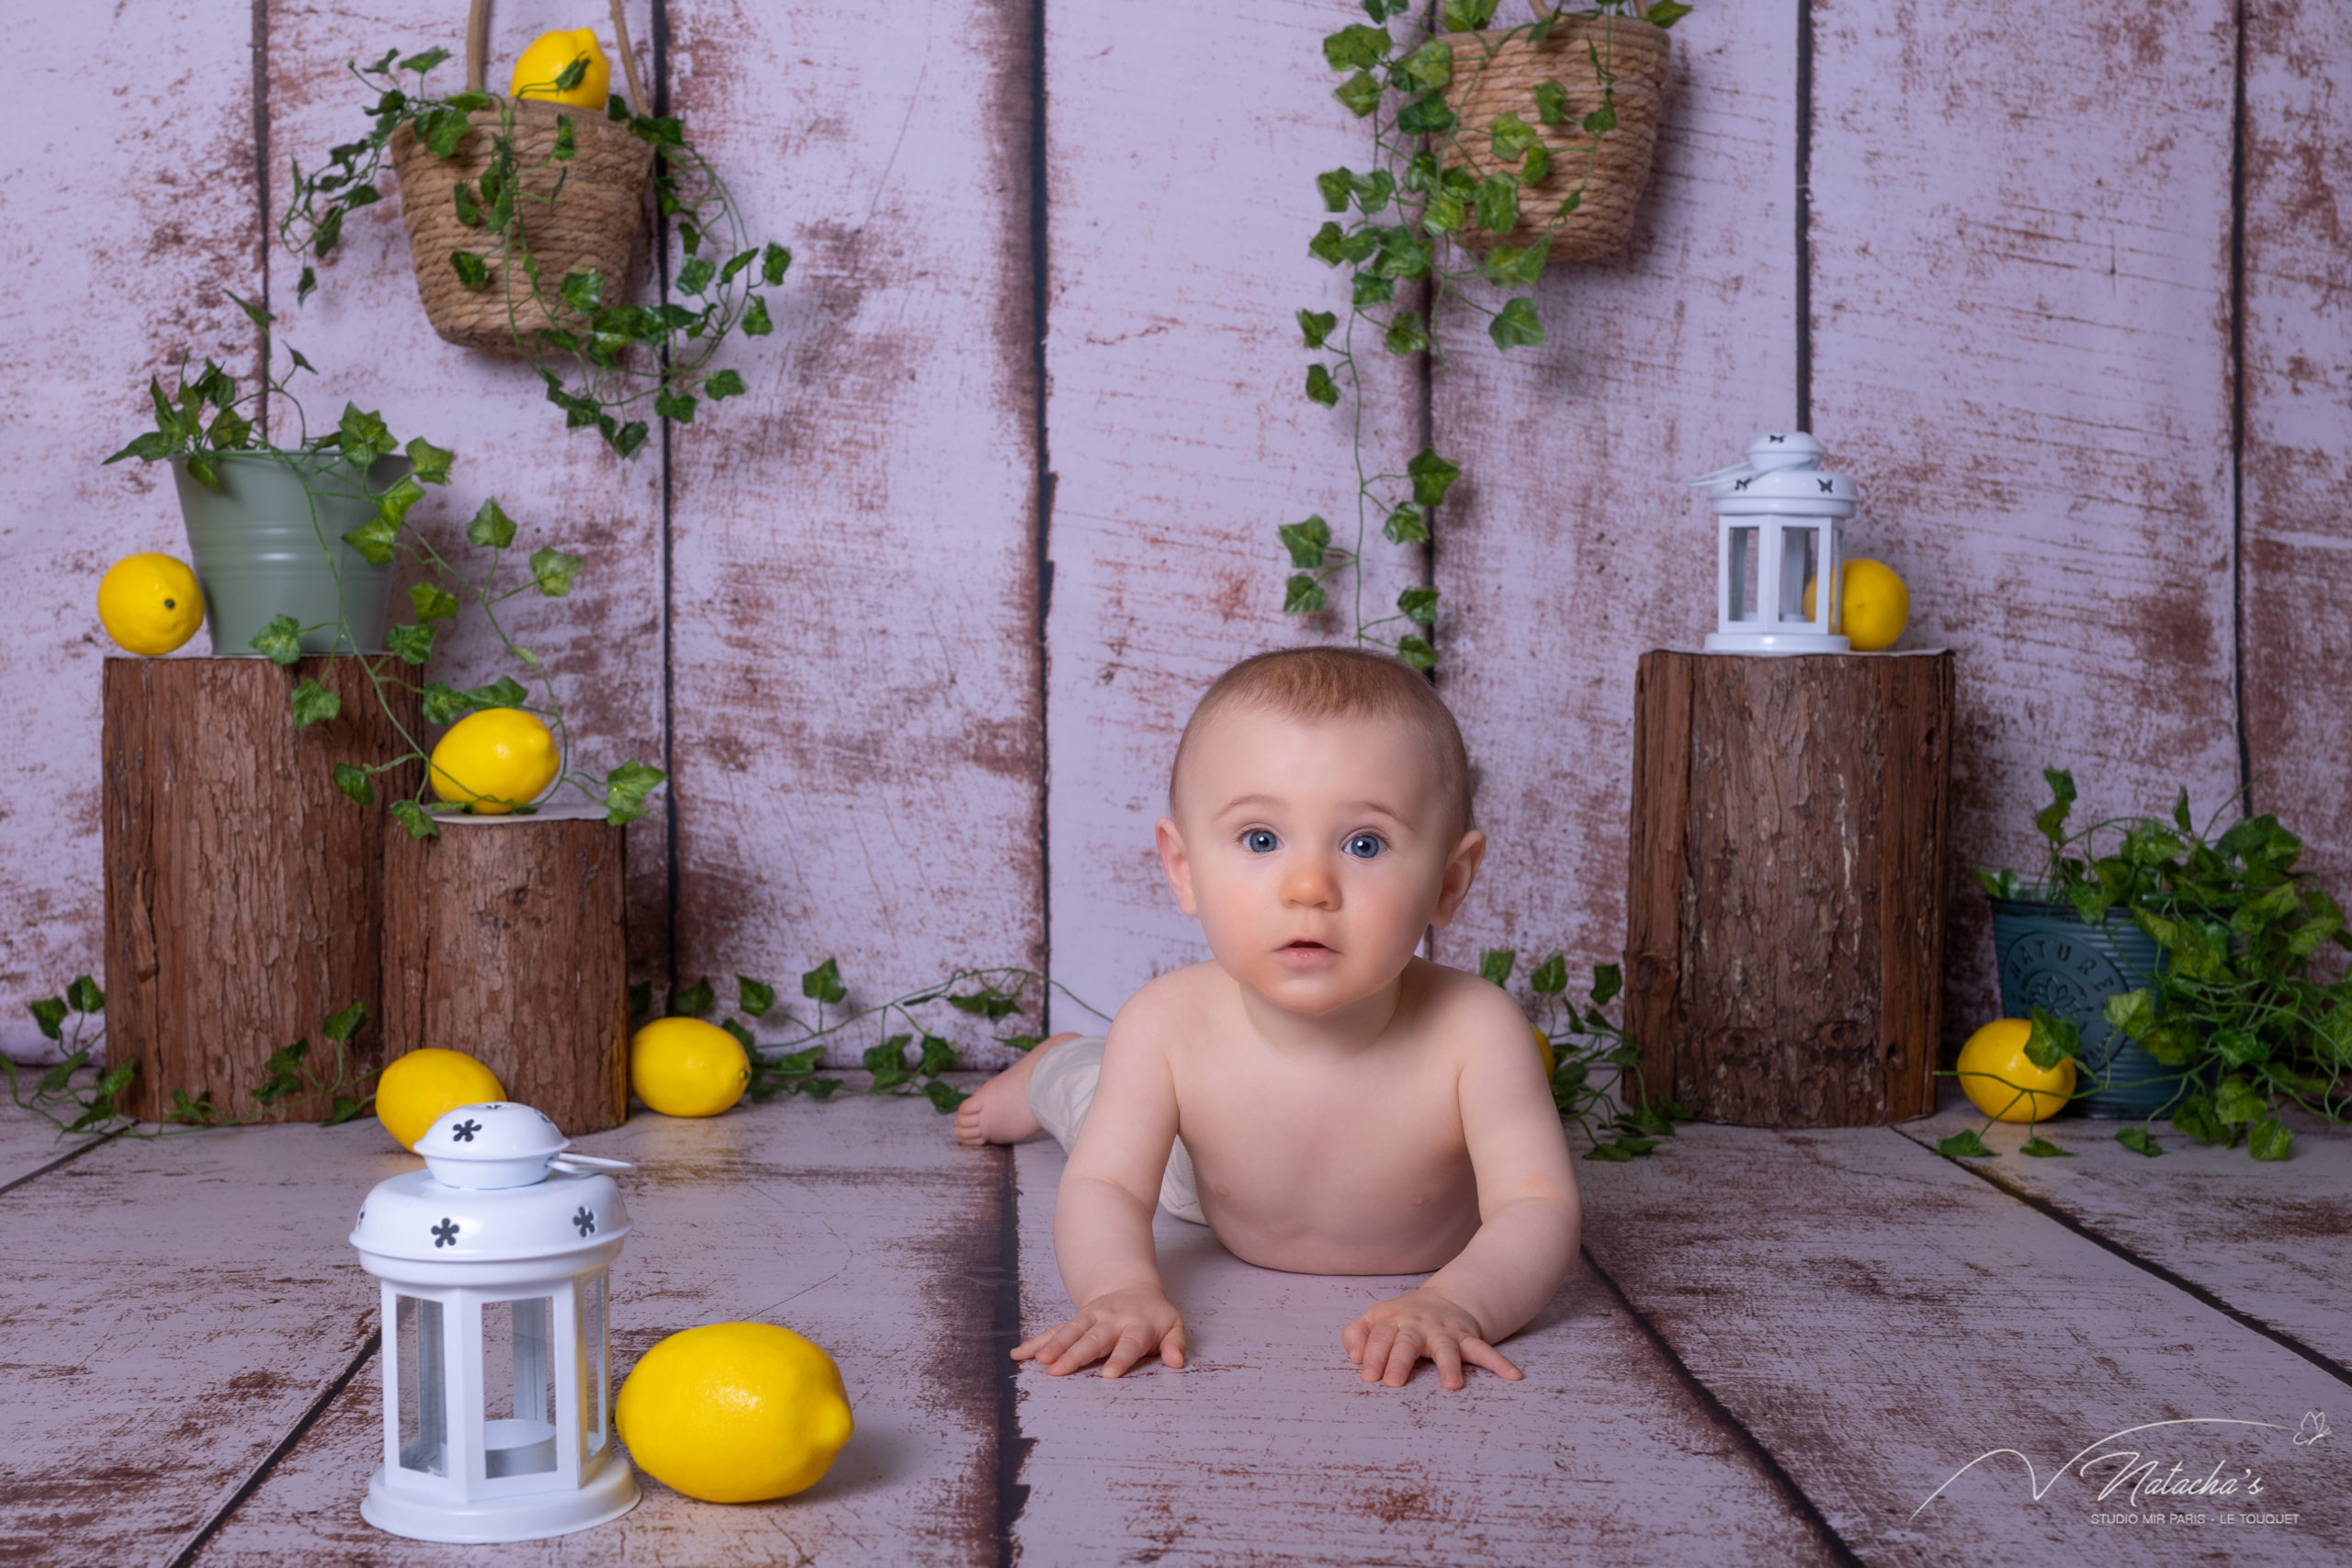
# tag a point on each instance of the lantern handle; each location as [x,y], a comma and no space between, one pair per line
[584,1164]
[1720,475]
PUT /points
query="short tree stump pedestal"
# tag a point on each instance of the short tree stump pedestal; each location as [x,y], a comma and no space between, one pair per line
[505,938]
[1784,939]
[244,891]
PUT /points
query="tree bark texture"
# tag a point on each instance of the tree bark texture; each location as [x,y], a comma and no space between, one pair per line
[1785,898]
[244,891]
[508,939]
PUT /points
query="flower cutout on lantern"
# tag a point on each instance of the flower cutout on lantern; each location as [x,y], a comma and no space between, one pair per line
[445,1234]
[464,1131]
[586,1222]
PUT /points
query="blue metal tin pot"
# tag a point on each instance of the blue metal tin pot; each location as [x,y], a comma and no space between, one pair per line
[2050,959]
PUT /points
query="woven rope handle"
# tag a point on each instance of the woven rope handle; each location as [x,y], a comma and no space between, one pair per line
[478,53]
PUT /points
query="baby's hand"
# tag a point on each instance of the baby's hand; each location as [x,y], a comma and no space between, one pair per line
[1120,1326]
[1390,1337]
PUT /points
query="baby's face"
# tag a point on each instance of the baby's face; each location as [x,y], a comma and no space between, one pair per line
[1313,853]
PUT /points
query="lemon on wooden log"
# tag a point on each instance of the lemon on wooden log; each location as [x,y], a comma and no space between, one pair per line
[540,66]
[414,1089]
[2002,1080]
[494,761]
[734,1412]
[150,604]
[682,1067]
[1872,609]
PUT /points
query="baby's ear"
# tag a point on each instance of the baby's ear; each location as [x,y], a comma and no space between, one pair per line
[1175,862]
[1461,870]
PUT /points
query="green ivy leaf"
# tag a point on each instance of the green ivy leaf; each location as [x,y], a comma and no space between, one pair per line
[626,788]
[1964,1145]
[1516,325]
[1426,69]
[1336,187]
[1405,526]
[1444,213]
[1608,980]
[554,570]
[503,692]
[1495,964]
[675,406]
[2137,1140]
[2051,820]
[1426,116]
[692,1002]
[1551,976]
[313,704]
[281,640]
[753,998]
[823,984]
[695,275]
[774,261]
[84,996]
[423,62]
[1467,15]
[945,1097]
[2040,1148]
[1516,265]
[374,539]
[1306,542]
[443,704]
[1316,326]
[1511,137]
[1406,334]
[1497,204]
[431,601]
[1416,653]
[468,207]
[938,1057]
[470,269]
[429,462]
[2051,1039]
[2236,1101]
[415,818]
[1665,12]
[1372,289]
[565,147]
[2196,1117]
[740,1035]
[490,528]
[755,318]
[342,1026]
[352,779]
[2269,1139]
[1324,247]
[1537,167]
[1356,47]
[49,1014]
[723,384]
[414,644]
[1419,605]
[1302,595]
[1602,120]
[362,436]
[1432,475]
[1320,386]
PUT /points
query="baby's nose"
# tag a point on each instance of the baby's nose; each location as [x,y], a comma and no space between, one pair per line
[1310,885]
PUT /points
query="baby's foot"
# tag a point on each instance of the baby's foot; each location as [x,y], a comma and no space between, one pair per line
[998,1111]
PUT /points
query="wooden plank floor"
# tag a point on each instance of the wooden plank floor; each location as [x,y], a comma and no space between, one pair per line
[1780,1345]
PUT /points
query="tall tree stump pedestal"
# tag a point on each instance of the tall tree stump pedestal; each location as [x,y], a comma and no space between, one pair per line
[1784,939]
[244,891]
[505,938]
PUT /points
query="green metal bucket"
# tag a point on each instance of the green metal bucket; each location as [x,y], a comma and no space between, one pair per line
[2050,959]
[269,543]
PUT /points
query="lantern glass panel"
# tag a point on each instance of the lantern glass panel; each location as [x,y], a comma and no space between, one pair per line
[592,1361]
[1742,569]
[423,1412]
[517,1391]
[1800,563]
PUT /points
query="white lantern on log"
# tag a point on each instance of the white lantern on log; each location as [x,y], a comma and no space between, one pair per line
[494,1261]
[1780,542]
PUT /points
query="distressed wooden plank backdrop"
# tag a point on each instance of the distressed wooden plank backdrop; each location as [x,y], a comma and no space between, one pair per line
[913,624]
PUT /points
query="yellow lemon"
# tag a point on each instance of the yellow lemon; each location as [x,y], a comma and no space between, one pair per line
[734,1413]
[413,1092]
[150,604]
[682,1067]
[1994,1069]
[1873,606]
[495,761]
[1544,1043]
[538,68]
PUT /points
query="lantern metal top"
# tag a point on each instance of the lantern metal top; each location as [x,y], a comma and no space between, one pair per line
[1781,476]
[498,1188]
[494,1143]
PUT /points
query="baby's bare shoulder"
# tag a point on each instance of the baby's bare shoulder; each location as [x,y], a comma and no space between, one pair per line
[1473,1013]
[1169,1009]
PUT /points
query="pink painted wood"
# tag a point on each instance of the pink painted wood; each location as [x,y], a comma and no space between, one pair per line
[1574,547]
[123,223]
[2020,284]
[1179,435]
[366,332]
[1269,1447]
[2298,390]
[857,697]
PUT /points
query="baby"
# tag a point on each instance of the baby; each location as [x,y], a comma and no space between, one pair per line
[1345,1107]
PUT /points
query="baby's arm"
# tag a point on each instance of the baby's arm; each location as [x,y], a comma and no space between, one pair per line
[1529,1219]
[1103,1216]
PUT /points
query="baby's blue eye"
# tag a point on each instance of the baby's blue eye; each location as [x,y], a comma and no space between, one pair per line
[1365,846]
[1260,842]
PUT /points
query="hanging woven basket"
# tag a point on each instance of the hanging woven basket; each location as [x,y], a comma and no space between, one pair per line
[1609,170]
[590,224]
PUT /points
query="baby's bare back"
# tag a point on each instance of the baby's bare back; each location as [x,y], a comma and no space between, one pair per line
[1324,1162]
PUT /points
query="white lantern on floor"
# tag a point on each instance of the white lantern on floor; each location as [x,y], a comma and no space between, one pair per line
[1780,528]
[496,1357]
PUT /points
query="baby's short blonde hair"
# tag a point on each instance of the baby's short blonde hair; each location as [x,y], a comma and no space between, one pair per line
[1341,683]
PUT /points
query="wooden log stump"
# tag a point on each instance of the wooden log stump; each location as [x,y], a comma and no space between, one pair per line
[1784,938]
[505,937]
[244,891]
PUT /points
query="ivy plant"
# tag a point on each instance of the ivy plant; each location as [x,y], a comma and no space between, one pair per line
[2235,1000]
[1593,1058]
[623,362]
[207,414]
[1397,229]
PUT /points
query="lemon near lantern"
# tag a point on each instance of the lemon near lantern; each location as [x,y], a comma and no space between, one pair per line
[682,1067]
[493,761]
[2003,1080]
[1873,605]
[734,1412]
[543,63]
[150,604]
[413,1091]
